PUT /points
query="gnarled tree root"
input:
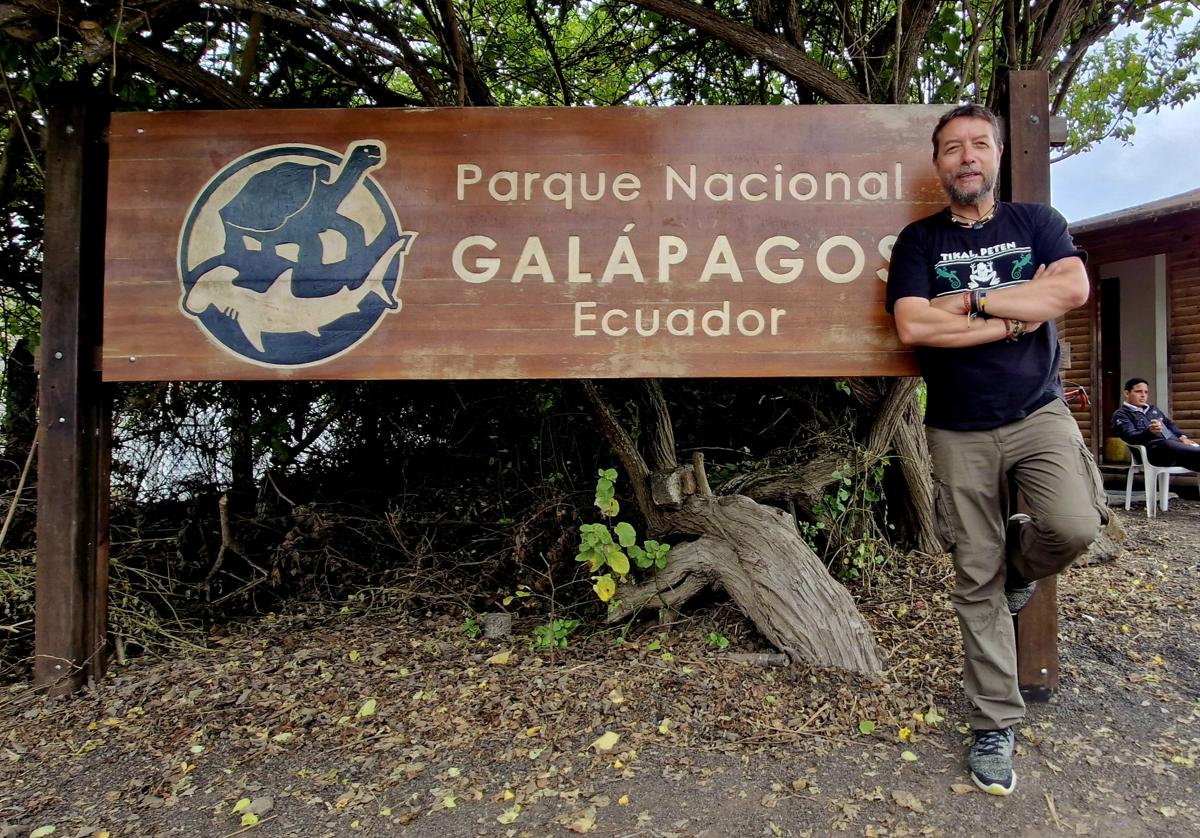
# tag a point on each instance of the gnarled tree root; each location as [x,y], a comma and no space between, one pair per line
[755,554]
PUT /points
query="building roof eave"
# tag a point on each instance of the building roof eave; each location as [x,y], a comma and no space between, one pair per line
[1173,205]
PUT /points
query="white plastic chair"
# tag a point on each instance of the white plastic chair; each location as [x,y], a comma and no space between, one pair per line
[1156,479]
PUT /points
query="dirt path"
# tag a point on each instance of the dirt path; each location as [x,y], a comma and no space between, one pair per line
[380,722]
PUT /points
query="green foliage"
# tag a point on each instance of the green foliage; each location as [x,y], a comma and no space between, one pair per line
[1147,69]
[847,512]
[521,592]
[553,635]
[608,552]
[718,640]
[471,628]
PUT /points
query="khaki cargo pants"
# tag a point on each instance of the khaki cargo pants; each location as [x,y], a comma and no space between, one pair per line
[1057,475]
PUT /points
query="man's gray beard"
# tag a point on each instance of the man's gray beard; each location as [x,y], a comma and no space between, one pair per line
[971,199]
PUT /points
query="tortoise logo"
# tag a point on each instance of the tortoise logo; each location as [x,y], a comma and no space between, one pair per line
[292,254]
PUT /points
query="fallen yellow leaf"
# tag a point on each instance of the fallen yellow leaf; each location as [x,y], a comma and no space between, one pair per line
[368,709]
[501,658]
[240,805]
[606,742]
[908,800]
[585,821]
[249,819]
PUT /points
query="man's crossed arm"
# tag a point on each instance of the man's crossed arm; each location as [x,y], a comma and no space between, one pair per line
[1054,290]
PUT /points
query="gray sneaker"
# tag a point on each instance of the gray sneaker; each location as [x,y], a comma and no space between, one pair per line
[1021,591]
[990,760]
[1018,598]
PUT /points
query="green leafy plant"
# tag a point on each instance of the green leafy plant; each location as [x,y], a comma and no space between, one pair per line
[718,640]
[612,552]
[471,628]
[853,548]
[553,635]
[522,592]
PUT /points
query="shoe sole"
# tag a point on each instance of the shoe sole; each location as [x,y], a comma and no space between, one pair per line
[995,788]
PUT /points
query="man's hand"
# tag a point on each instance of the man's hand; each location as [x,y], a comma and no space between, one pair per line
[1156,427]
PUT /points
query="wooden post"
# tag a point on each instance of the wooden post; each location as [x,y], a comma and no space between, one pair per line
[1026,177]
[72,512]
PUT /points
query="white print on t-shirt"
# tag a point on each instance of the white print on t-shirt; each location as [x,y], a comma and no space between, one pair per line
[992,252]
[990,267]
[983,273]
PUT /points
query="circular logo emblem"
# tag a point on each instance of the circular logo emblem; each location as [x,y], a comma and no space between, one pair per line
[292,254]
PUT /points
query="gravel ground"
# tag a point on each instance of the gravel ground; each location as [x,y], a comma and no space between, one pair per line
[378,721]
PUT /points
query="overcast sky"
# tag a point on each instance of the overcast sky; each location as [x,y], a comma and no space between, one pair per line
[1162,161]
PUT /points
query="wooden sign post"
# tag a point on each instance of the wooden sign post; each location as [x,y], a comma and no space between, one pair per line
[1026,177]
[70,622]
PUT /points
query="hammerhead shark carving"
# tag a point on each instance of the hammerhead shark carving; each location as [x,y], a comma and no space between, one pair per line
[278,310]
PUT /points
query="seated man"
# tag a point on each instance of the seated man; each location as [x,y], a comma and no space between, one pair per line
[1140,423]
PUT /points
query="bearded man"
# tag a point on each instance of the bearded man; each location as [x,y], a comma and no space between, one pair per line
[975,289]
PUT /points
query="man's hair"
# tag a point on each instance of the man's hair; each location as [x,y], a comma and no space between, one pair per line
[1133,382]
[974,111]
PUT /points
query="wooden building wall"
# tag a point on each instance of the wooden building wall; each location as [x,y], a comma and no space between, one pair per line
[1183,337]
[1075,331]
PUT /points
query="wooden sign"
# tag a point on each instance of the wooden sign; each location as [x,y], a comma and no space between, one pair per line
[509,243]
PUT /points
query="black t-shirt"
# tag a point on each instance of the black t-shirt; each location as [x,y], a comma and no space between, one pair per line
[986,386]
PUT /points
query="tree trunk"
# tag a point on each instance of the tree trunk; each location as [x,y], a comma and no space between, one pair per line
[754,553]
[750,550]
[898,427]
[243,488]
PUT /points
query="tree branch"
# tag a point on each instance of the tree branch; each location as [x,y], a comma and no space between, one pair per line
[159,64]
[548,40]
[769,49]
[627,453]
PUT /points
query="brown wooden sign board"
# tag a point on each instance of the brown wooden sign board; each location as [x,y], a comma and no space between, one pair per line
[509,243]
